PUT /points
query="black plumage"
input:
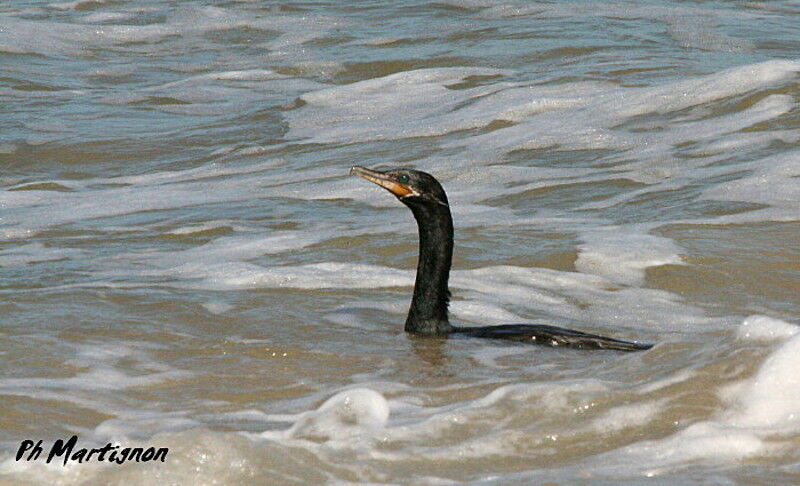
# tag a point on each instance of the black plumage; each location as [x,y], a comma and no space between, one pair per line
[423,194]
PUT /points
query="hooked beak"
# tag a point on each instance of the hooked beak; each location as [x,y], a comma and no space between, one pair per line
[381,179]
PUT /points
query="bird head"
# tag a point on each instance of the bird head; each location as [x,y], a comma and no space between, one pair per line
[411,187]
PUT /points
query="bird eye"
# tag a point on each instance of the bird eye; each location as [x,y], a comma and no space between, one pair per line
[403,179]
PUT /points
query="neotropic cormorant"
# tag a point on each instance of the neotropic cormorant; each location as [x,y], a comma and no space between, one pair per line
[427,316]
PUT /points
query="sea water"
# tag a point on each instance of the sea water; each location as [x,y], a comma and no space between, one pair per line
[185,262]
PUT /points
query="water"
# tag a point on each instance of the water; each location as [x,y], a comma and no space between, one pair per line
[185,263]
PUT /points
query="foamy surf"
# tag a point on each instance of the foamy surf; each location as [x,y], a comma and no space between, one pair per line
[187,265]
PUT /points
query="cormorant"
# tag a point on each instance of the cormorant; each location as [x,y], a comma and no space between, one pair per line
[427,316]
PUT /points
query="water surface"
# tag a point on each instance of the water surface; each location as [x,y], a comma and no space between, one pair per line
[185,263]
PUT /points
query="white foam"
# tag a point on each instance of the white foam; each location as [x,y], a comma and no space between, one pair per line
[103,17]
[350,315]
[773,182]
[763,328]
[622,256]
[35,253]
[707,441]
[93,198]
[488,291]
[74,5]
[40,37]
[668,136]
[239,248]
[356,419]
[108,367]
[489,355]
[350,414]
[197,456]
[591,123]
[217,92]
[700,32]
[570,116]
[771,399]
[217,307]
[232,275]
[110,72]
[206,226]
[760,409]
[669,14]
[45,37]
[625,416]
[432,429]
[144,423]
[483,312]
[581,298]
[400,105]
[732,143]
[659,384]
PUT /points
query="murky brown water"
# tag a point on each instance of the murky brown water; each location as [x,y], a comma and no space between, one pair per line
[185,263]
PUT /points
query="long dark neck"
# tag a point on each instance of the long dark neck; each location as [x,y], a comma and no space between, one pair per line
[428,312]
